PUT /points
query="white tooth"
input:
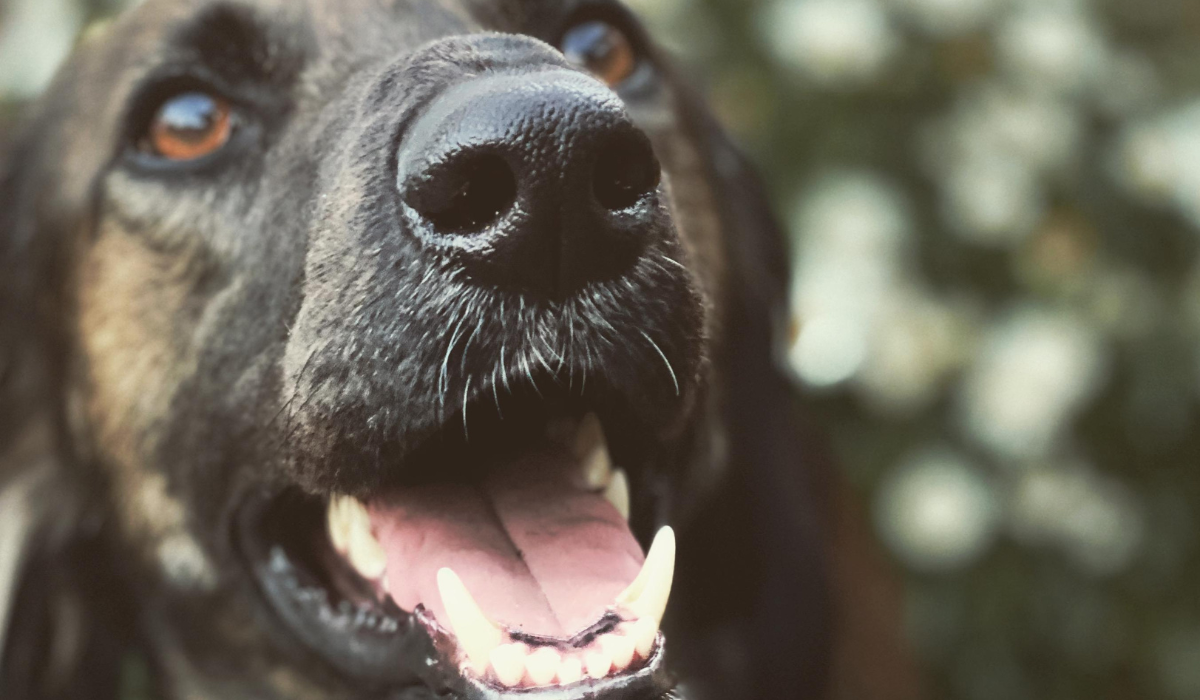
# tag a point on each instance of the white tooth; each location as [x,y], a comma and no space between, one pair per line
[647,595]
[542,665]
[588,436]
[367,555]
[508,661]
[596,469]
[570,670]
[339,524]
[644,634]
[477,636]
[361,548]
[619,648]
[617,493]
[598,663]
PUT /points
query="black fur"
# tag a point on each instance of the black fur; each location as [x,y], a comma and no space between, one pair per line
[312,345]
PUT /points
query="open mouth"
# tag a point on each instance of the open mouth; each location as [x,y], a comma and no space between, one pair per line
[505,562]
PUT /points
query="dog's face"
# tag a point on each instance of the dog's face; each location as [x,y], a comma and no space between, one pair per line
[394,329]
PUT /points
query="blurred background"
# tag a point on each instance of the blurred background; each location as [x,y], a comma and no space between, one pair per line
[994,211]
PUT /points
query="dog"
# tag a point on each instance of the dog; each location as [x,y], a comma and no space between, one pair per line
[395,349]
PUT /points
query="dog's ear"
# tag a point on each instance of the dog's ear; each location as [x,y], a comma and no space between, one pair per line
[20,260]
[756,247]
[27,460]
[55,637]
[771,517]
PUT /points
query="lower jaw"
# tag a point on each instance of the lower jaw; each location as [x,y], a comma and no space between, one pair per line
[374,644]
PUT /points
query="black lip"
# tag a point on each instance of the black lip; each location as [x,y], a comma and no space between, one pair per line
[362,641]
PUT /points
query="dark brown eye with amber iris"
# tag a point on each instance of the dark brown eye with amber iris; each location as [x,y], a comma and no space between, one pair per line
[602,49]
[188,126]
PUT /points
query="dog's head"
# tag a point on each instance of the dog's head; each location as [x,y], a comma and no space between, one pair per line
[393,334]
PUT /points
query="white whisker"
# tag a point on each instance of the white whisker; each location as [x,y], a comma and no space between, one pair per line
[466,391]
[444,377]
[496,394]
[504,369]
[529,373]
[672,261]
[663,355]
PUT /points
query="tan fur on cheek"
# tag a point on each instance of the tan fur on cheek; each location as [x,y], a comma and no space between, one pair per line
[134,333]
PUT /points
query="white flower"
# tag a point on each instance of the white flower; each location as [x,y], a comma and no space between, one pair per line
[993,199]
[851,231]
[1095,520]
[936,512]
[1034,372]
[917,341]
[829,40]
[35,36]
[1159,160]
[1053,48]
[949,17]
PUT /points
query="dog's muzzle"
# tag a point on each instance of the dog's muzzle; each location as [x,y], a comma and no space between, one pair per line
[499,343]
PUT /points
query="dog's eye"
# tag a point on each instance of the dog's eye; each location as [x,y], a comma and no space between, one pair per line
[188,126]
[601,48]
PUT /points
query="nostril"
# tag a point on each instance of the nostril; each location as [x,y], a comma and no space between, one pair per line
[473,196]
[625,172]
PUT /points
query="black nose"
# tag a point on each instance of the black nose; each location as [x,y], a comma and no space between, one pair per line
[538,181]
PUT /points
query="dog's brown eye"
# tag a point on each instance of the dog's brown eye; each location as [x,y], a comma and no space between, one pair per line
[602,49]
[189,126]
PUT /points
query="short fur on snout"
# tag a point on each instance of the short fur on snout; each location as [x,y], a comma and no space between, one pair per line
[185,348]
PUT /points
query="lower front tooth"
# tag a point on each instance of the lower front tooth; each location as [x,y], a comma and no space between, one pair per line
[619,648]
[598,664]
[508,663]
[570,670]
[542,665]
[644,633]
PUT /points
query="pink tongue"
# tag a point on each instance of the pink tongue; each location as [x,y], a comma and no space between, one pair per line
[536,552]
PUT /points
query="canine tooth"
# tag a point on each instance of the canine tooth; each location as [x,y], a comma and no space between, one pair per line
[508,662]
[477,636]
[644,633]
[617,493]
[338,523]
[345,514]
[619,648]
[597,663]
[647,595]
[597,470]
[350,532]
[570,670]
[542,665]
[588,436]
[366,554]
